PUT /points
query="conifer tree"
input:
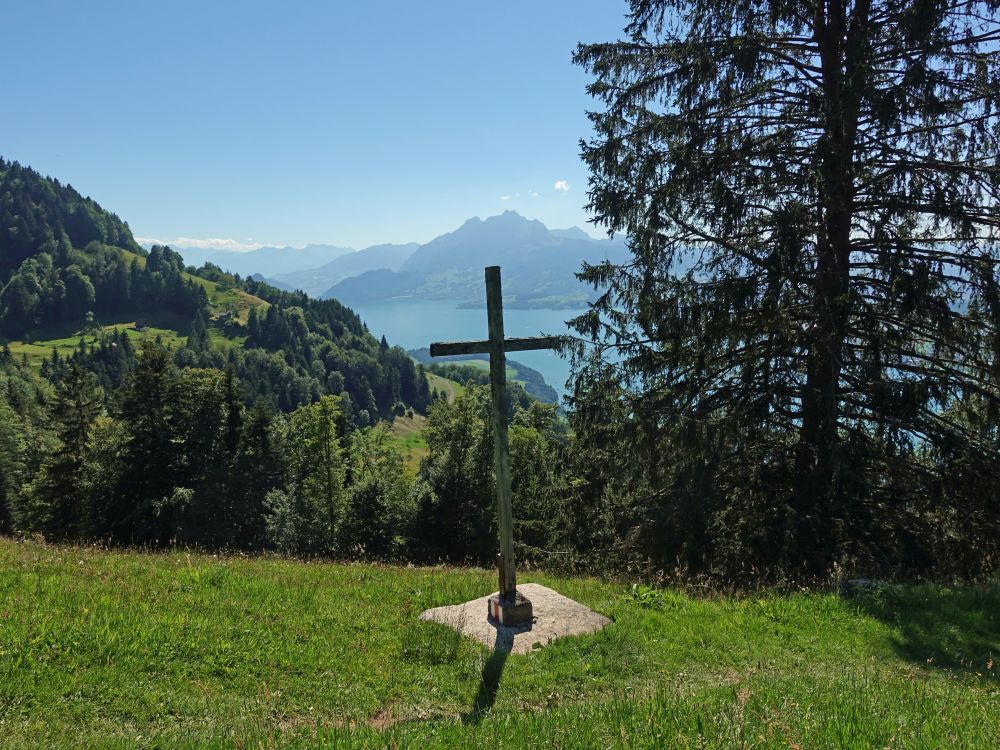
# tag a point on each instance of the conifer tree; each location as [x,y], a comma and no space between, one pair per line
[380,507]
[307,518]
[456,505]
[198,337]
[78,404]
[258,468]
[810,195]
[12,463]
[151,455]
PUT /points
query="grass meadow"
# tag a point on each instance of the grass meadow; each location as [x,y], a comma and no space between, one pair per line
[409,438]
[164,326]
[176,650]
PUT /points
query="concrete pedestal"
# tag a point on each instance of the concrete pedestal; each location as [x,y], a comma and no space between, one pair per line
[510,611]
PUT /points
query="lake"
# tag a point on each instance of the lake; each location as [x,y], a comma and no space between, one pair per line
[414,323]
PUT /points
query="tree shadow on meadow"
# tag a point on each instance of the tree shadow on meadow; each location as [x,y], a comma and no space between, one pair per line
[953,628]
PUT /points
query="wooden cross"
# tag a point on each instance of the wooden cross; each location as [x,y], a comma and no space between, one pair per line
[510,607]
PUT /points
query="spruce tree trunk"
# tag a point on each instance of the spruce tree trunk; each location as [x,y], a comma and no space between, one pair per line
[818,457]
[819,504]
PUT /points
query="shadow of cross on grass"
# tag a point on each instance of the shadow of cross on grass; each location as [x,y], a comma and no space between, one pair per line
[489,678]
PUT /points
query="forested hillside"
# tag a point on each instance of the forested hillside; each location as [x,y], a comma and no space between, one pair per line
[70,269]
[145,402]
[62,257]
[142,402]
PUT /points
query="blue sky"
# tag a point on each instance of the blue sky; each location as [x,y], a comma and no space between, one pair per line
[296,122]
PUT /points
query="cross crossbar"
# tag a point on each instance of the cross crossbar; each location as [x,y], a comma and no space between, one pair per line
[530,343]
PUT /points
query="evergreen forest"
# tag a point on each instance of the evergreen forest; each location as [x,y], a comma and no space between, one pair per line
[145,403]
[794,373]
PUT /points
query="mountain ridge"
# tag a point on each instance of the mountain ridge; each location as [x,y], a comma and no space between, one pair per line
[316,281]
[268,261]
[540,265]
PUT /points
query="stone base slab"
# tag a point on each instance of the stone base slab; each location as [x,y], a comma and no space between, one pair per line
[554,616]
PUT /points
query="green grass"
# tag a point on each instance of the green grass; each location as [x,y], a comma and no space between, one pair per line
[450,388]
[124,649]
[170,328]
[409,438]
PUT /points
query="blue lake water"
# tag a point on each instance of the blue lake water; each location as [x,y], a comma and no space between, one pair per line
[413,323]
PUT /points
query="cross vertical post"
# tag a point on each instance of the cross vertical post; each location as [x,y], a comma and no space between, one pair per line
[508,607]
[501,448]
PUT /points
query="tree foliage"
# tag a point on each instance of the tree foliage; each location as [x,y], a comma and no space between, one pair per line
[810,195]
[456,514]
[456,501]
[379,518]
[78,404]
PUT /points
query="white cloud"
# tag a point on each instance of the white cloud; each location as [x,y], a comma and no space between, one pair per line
[210,243]
[534,194]
[505,197]
[562,185]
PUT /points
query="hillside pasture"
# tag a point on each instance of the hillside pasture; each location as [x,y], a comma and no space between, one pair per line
[221,297]
[170,328]
[224,298]
[407,432]
[512,373]
[449,388]
[180,650]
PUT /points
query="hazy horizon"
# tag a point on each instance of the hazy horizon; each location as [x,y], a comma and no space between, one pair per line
[351,125]
[228,245]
